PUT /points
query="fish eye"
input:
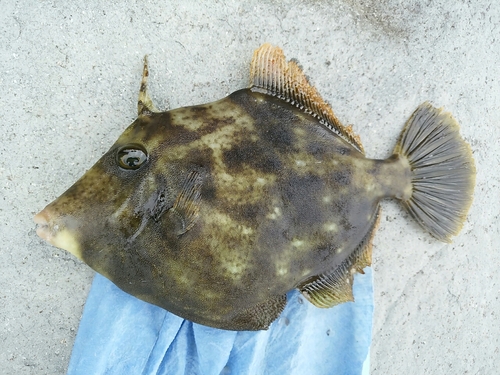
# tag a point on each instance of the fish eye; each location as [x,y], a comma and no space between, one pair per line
[131,157]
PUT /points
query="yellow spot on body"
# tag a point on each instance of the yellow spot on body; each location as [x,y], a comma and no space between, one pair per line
[184,279]
[297,243]
[281,269]
[224,177]
[275,214]
[339,250]
[261,181]
[299,131]
[330,227]
[369,187]
[300,163]
[214,146]
[246,230]
[235,268]
[222,218]
[327,199]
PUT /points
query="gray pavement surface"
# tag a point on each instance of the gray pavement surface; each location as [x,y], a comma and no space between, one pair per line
[69,75]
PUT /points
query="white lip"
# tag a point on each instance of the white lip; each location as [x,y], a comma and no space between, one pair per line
[56,235]
[43,230]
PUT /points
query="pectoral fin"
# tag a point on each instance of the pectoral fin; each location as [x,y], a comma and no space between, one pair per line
[184,213]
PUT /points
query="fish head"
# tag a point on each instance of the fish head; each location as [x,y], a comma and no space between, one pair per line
[120,201]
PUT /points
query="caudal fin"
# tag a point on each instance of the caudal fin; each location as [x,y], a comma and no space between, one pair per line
[443,171]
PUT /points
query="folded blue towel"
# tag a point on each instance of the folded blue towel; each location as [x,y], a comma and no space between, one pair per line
[120,334]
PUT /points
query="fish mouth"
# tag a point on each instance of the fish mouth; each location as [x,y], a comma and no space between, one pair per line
[56,234]
[43,229]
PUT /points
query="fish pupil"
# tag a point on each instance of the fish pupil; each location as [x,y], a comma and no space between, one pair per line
[131,158]
[132,162]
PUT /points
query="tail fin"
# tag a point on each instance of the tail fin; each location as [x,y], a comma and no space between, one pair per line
[443,171]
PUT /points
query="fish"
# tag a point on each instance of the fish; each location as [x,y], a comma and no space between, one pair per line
[215,211]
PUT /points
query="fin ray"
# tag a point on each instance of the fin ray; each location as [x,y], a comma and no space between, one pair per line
[443,171]
[186,208]
[335,287]
[271,74]
[145,105]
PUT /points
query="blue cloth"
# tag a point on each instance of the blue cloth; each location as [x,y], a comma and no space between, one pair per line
[120,334]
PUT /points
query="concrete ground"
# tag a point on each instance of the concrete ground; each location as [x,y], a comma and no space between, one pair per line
[69,76]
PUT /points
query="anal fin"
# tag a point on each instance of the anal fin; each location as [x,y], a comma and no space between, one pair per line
[335,287]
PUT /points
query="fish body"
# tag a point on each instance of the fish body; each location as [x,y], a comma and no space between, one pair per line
[214,212]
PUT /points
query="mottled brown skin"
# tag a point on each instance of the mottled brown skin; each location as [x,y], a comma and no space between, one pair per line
[214,212]
[283,199]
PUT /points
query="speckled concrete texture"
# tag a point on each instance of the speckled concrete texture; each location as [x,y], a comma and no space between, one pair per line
[69,75]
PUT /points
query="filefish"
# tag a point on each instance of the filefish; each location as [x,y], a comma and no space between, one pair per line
[215,211]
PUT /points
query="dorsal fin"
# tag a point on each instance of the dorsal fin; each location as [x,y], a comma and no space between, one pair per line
[332,288]
[271,74]
[145,105]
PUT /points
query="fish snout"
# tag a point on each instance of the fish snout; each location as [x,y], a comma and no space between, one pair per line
[58,235]
[42,220]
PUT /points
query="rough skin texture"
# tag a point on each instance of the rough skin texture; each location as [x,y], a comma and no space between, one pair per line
[214,212]
[283,199]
